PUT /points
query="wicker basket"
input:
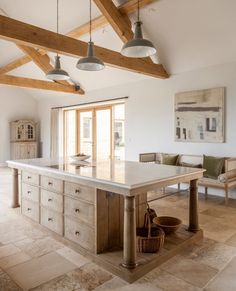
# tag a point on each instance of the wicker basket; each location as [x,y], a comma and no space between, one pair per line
[167,223]
[150,239]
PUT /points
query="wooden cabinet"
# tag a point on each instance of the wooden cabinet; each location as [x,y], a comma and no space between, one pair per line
[85,215]
[23,139]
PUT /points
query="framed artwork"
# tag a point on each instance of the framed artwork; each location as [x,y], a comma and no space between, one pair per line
[199,116]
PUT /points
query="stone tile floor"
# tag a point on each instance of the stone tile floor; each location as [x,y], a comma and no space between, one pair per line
[31,259]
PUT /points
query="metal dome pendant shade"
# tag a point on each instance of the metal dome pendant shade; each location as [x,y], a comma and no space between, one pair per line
[138,47]
[57,74]
[90,62]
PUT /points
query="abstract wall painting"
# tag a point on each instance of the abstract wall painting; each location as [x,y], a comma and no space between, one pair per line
[199,116]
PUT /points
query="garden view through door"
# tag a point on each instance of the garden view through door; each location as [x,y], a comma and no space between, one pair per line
[97,132]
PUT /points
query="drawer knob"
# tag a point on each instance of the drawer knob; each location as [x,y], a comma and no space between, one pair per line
[77,191]
[29,192]
[50,183]
[49,199]
[28,209]
[77,210]
[50,219]
[77,233]
[29,177]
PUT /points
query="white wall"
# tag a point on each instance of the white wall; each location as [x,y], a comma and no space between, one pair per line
[14,104]
[150,112]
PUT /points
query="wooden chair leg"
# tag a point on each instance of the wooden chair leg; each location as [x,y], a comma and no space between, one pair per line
[179,187]
[226,195]
[206,192]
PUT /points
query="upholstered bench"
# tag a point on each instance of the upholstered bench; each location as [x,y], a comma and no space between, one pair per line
[226,179]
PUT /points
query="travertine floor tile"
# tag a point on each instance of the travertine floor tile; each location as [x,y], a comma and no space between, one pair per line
[40,247]
[231,241]
[14,260]
[113,284]
[192,272]
[8,250]
[167,281]
[225,280]
[40,270]
[72,256]
[7,284]
[215,255]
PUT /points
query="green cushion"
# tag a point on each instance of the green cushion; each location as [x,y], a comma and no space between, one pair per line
[213,166]
[169,159]
[190,165]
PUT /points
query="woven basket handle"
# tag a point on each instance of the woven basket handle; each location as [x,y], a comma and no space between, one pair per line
[149,225]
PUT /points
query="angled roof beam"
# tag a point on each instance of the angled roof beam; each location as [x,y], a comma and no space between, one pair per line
[36,84]
[120,22]
[43,62]
[97,23]
[26,34]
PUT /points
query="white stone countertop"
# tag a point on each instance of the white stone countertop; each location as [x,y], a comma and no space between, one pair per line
[123,176]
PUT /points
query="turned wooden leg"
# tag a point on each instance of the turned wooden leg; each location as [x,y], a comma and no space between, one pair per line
[15,190]
[179,187]
[193,206]
[129,251]
[226,195]
[206,192]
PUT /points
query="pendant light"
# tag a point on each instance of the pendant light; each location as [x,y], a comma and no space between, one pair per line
[138,47]
[90,62]
[57,74]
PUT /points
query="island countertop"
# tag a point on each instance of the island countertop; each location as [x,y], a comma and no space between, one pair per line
[122,177]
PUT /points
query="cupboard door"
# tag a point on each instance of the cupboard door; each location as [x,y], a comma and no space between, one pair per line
[32,151]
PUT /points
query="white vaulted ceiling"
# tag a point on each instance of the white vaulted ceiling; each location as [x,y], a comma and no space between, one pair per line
[188,34]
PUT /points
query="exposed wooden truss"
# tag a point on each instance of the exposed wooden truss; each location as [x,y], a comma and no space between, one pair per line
[36,84]
[43,62]
[97,23]
[120,22]
[33,36]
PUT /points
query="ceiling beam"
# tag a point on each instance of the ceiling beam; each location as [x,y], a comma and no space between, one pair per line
[43,62]
[119,22]
[15,64]
[97,23]
[36,84]
[26,34]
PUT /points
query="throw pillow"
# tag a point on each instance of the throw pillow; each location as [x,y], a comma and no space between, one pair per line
[190,165]
[169,159]
[213,166]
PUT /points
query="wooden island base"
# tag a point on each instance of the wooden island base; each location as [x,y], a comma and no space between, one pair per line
[174,244]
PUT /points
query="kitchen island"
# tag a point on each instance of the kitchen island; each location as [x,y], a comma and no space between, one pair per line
[97,205]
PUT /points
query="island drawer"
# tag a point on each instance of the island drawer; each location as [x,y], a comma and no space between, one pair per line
[80,191]
[79,233]
[52,220]
[52,200]
[30,192]
[31,178]
[30,209]
[52,184]
[79,209]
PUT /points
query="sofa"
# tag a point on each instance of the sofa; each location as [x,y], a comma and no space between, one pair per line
[226,179]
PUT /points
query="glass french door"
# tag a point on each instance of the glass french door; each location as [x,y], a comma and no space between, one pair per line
[98,132]
[94,132]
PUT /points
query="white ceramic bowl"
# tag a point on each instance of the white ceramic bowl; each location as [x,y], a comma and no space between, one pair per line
[80,158]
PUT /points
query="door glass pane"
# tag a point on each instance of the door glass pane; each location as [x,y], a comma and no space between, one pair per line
[103,133]
[119,132]
[70,132]
[86,133]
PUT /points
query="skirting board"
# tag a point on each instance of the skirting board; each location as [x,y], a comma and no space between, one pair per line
[3,165]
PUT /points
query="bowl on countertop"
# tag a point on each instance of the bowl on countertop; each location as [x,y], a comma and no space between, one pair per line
[80,157]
